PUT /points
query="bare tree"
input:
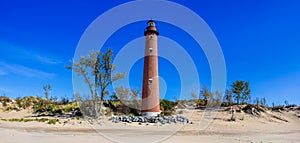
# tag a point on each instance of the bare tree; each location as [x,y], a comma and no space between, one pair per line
[195,95]
[228,96]
[217,98]
[207,95]
[135,93]
[263,101]
[129,99]
[286,103]
[256,101]
[122,93]
[47,88]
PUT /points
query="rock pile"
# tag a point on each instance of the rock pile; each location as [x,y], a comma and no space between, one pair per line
[142,119]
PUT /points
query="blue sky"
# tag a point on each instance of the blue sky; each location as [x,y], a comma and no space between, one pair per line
[260,41]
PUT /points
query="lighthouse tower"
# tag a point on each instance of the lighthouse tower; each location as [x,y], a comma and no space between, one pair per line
[150,92]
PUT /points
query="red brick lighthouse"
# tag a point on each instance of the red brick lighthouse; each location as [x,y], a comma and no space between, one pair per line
[150,93]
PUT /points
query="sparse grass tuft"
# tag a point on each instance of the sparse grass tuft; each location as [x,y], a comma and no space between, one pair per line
[53,121]
[42,119]
[25,120]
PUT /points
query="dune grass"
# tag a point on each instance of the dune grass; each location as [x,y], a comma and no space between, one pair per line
[25,120]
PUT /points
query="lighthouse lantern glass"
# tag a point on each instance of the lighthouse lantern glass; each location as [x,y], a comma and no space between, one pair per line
[151,24]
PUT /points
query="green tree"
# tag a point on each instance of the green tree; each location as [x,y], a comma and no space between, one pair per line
[96,69]
[246,96]
[103,72]
[241,91]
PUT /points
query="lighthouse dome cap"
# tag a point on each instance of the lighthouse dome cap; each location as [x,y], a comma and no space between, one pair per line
[151,20]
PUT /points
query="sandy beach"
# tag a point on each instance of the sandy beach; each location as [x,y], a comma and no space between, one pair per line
[270,127]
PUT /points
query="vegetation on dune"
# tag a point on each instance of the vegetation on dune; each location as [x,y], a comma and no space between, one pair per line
[50,121]
[238,94]
[26,102]
[52,108]
[167,107]
[53,121]
[4,100]
[207,97]
[97,71]
[39,105]
[25,120]
[128,99]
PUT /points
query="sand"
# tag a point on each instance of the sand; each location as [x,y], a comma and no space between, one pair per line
[246,129]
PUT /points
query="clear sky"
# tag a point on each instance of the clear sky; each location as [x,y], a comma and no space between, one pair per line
[260,41]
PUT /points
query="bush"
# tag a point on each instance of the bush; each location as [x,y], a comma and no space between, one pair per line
[20,120]
[6,99]
[167,107]
[26,102]
[42,119]
[4,103]
[53,121]
[278,108]
[292,105]
[10,108]
[43,106]
[25,120]
[200,103]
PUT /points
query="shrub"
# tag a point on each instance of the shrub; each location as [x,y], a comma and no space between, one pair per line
[292,105]
[43,106]
[53,121]
[278,108]
[42,119]
[4,103]
[6,99]
[25,102]
[200,103]
[10,108]
[28,120]
[167,107]
[25,120]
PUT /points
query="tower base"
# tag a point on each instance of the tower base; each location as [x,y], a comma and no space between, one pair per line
[150,114]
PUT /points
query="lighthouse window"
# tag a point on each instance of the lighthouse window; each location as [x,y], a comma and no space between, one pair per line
[150,50]
[150,37]
[150,80]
